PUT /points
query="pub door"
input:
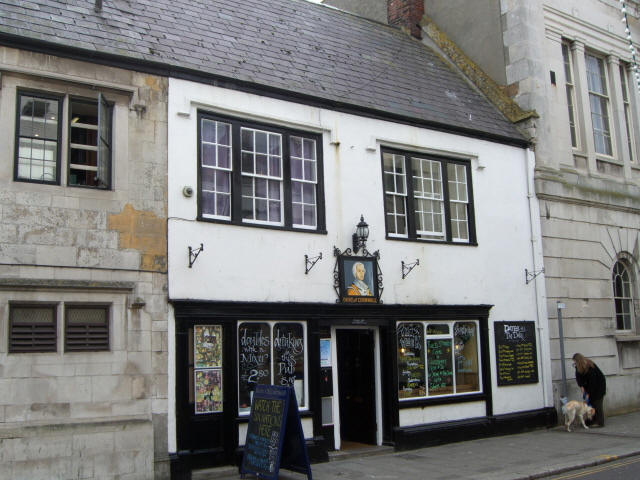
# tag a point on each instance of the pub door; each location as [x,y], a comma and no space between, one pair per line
[205,417]
[356,386]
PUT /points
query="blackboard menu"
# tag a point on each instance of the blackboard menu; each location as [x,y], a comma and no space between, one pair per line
[440,366]
[254,352]
[516,355]
[288,351]
[265,430]
[411,382]
[274,434]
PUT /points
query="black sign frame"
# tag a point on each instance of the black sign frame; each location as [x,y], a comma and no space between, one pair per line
[274,423]
[345,281]
[516,353]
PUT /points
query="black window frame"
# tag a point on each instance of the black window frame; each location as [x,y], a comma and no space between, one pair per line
[44,96]
[48,330]
[411,235]
[104,172]
[87,330]
[236,174]
[101,103]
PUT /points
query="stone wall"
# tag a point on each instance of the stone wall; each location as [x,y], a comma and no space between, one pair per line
[86,414]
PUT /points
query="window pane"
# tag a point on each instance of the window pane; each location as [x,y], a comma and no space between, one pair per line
[440,366]
[261,142]
[599,101]
[208,131]
[37,142]
[623,296]
[465,338]
[288,351]
[411,380]
[254,361]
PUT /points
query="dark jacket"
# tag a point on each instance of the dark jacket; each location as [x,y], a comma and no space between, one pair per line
[593,382]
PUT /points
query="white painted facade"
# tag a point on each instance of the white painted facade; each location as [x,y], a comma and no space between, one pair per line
[248,264]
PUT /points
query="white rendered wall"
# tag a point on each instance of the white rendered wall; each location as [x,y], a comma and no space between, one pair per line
[271,262]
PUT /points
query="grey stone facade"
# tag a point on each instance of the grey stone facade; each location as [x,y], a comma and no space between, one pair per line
[589,201]
[99,414]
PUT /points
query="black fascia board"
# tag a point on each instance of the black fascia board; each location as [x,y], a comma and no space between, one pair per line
[182,73]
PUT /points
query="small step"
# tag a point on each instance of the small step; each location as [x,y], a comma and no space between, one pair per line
[227,471]
[364,451]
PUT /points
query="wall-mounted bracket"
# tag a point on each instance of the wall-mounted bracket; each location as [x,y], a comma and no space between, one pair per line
[193,254]
[529,276]
[407,267]
[310,262]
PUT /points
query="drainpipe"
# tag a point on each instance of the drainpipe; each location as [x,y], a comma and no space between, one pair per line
[98,6]
[563,398]
[538,282]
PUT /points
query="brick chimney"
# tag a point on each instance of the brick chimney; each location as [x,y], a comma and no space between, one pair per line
[406,13]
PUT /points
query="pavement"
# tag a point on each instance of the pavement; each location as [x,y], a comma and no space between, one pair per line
[524,456]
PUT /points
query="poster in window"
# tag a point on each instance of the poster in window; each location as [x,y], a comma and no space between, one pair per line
[288,351]
[208,387]
[439,366]
[325,352]
[207,346]
[411,381]
[254,360]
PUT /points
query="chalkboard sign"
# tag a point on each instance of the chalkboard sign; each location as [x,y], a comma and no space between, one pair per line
[288,351]
[516,355]
[440,366]
[274,436]
[411,382]
[254,352]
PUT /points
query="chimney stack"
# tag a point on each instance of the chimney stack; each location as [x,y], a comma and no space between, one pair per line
[406,13]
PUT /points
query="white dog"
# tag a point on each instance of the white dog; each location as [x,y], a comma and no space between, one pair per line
[574,409]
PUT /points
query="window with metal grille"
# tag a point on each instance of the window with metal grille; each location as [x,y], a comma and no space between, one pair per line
[32,328]
[86,328]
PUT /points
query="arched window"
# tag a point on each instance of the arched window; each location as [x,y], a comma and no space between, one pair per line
[623,296]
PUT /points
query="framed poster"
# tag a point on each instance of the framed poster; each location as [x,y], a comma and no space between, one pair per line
[208,389]
[358,279]
[207,346]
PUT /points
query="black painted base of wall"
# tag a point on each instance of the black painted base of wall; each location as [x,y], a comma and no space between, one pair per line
[429,435]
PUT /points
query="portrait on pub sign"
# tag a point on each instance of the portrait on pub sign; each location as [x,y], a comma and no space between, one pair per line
[358,279]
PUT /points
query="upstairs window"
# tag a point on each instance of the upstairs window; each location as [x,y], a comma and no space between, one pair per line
[623,296]
[256,174]
[571,93]
[599,100]
[39,140]
[427,197]
[628,122]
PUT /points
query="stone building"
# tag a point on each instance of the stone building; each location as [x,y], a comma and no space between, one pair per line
[83,260]
[573,63]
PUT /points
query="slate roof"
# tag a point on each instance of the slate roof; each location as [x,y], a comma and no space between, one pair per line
[310,51]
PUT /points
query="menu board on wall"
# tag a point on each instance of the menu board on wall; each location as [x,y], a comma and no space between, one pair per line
[516,354]
[254,355]
[411,382]
[274,434]
[440,366]
[288,351]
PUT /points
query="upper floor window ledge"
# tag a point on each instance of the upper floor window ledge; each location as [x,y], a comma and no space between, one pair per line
[627,338]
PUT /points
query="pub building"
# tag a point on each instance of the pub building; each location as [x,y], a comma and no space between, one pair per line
[375,248]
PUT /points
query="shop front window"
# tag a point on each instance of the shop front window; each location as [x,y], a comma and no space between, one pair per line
[271,353]
[437,359]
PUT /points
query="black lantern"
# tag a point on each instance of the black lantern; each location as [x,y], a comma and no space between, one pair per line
[361,235]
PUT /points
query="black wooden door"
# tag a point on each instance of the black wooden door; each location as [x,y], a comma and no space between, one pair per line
[356,385]
[205,413]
